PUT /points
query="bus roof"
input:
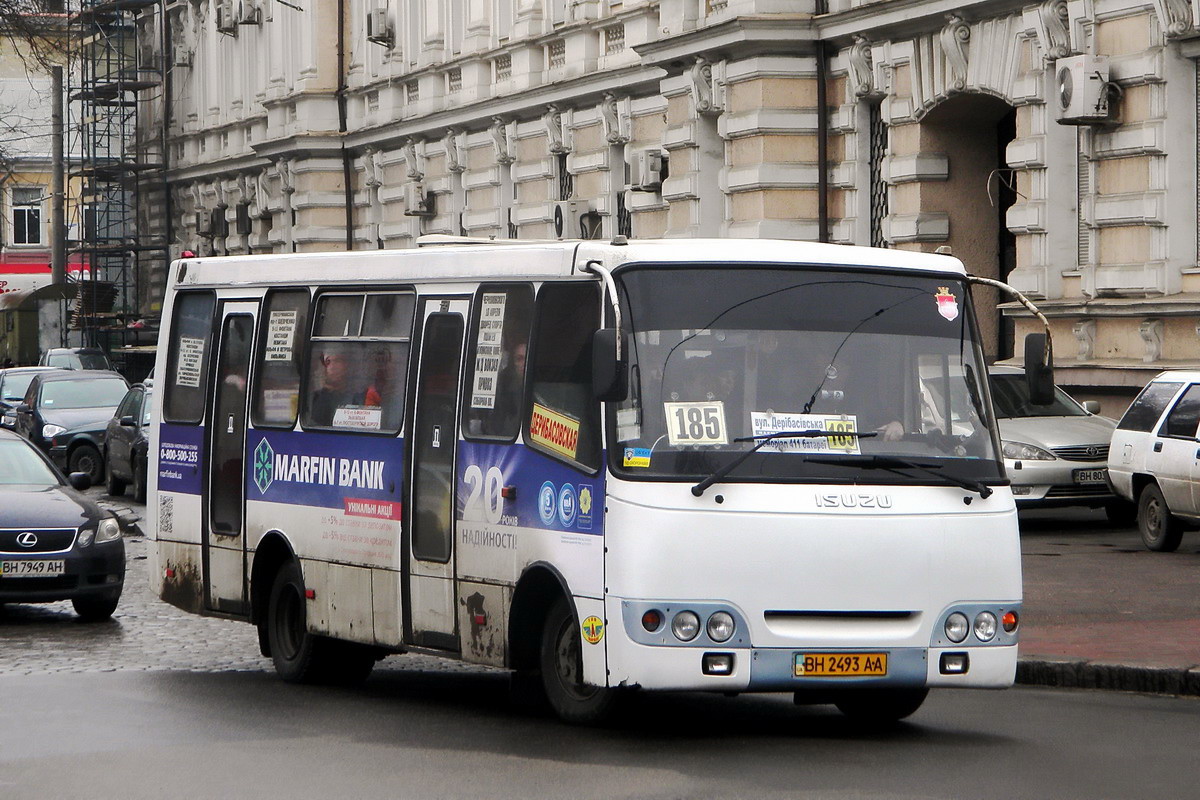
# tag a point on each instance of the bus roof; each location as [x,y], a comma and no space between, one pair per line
[452,259]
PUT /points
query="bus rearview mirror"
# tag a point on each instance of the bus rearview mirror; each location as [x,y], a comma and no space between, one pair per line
[1039,370]
[610,376]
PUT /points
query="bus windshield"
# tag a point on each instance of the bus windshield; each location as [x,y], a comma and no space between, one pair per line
[870,370]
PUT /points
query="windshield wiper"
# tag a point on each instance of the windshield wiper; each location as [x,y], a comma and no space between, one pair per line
[763,439]
[894,464]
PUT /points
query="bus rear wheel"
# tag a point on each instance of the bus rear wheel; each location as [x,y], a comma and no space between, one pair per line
[562,671]
[881,706]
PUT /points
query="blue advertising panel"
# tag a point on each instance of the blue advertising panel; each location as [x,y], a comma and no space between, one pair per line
[360,474]
[179,458]
[549,494]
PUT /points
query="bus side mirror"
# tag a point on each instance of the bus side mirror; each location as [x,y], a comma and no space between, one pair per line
[610,377]
[1039,370]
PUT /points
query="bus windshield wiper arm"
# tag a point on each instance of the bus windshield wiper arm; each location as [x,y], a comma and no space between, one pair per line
[764,439]
[892,464]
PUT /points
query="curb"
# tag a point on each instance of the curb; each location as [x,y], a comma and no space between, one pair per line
[1078,673]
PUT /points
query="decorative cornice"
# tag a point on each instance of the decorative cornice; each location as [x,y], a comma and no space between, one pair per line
[860,66]
[1056,35]
[954,38]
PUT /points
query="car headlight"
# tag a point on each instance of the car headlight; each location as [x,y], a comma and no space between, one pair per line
[1025,452]
[956,627]
[85,537]
[720,626]
[49,431]
[109,530]
[685,626]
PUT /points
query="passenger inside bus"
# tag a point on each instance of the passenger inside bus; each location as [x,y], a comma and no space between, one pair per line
[341,369]
[509,391]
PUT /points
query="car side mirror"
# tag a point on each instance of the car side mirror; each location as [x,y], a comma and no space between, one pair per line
[1091,406]
[24,407]
[610,375]
[128,421]
[80,480]
[1039,369]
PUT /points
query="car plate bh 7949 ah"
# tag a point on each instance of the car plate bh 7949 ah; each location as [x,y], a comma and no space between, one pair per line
[31,568]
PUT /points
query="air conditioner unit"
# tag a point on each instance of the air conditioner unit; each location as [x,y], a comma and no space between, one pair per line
[204,223]
[226,18]
[567,216]
[646,170]
[1081,90]
[417,203]
[249,13]
[244,224]
[379,27]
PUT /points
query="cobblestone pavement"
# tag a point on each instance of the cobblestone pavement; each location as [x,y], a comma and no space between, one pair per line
[145,634]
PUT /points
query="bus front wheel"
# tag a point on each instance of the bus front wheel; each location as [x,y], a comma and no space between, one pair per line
[881,706]
[562,671]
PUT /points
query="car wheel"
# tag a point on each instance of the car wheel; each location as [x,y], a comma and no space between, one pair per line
[1161,532]
[139,481]
[881,706]
[96,609]
[1121,512]
[113,485]
[86,458]
[562,671]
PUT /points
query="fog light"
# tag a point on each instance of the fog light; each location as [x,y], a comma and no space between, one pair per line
[652,620]
[954,663]
[985,626]
[1022,490]
[685,626]
[717,664]
[957,627]
[1010,621]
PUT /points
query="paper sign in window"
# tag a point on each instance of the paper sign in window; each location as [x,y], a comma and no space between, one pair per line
[187,367]
[554,431]
[488,350]
[281,330]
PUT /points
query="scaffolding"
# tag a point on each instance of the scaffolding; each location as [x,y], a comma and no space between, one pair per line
[117,165]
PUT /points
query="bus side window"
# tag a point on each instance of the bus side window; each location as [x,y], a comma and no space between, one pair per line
[188,360]
[280,357]
[358,362]
[499,343]
[562,418]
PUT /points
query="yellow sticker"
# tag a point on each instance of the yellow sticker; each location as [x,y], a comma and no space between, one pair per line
[585,500]
[593,630]
[553,430]
[636,457]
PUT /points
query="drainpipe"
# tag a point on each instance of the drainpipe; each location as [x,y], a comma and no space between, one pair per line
[342,124]
[822,132]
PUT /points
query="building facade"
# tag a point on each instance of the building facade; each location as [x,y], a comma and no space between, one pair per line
[1032,139]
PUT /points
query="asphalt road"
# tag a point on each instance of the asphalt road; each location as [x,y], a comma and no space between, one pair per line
[158,703]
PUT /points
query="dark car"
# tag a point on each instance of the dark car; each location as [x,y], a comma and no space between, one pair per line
[81,449]
[127,441]
[63,399]
[76,358]
[55,544]
[14,381]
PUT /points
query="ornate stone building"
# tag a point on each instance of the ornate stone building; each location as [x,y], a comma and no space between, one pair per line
[914,124]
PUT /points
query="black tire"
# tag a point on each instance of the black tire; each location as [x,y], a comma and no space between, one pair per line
[1161,531]
[881,706]
[303,657]
[561,663]
[1121,512]
[139,481]
[113,485]
[96,609]
[86,458]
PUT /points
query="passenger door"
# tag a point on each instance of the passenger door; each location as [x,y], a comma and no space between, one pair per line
[430,606]
[1176,454]
[120,435]
[224,536]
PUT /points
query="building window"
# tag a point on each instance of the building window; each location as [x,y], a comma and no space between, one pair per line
[412,91]
[503,67]
[614,40]
[454,80]
[27,216]
[566,181]
[879,187]
[556,54]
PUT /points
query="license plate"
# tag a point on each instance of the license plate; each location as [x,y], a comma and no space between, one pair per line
[31,568]
[840,665]
[1090,475]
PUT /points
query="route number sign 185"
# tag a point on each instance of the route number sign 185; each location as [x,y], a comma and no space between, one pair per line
[696,423]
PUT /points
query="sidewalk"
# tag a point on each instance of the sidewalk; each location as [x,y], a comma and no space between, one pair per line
[1103,612]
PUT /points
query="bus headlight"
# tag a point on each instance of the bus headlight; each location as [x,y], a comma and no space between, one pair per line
[985,626]
[720,626]
[957,627]
[685,625]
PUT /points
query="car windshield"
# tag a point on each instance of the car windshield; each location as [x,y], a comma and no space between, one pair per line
[12,387]
[146,406]
[887,360]
[19,464]
[97,393]
[1010,393]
